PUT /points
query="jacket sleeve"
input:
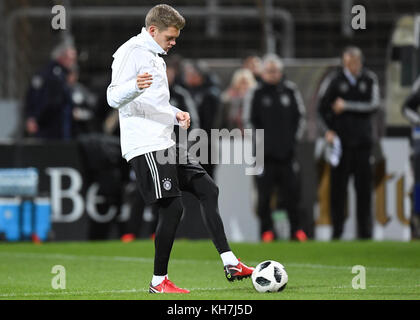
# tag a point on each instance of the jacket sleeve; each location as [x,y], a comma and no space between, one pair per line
[123,88]
[301,114]
[410,106]
[175,110]
[325,100]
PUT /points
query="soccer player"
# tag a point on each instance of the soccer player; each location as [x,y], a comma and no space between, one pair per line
[139,89]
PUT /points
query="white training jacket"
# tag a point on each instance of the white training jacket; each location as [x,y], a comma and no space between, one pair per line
[146,116]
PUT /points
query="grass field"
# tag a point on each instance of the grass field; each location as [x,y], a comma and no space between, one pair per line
[116,270]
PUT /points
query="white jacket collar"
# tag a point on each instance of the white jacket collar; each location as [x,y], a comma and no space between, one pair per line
[144,38]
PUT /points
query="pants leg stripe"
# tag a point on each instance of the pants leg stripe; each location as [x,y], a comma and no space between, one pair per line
[152,170]
[157,174]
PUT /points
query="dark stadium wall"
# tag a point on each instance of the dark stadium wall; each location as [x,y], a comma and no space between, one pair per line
[79,210]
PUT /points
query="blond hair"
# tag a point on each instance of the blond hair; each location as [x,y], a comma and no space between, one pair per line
[245,74]
[164,16]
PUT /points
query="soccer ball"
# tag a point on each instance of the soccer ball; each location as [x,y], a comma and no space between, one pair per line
[269,276]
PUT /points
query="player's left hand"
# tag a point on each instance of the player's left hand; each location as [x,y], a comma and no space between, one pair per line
[184,119]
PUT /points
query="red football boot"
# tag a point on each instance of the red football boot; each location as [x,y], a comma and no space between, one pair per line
[238,272]
[300,236]
[166,286]
[268,236]
[128,237]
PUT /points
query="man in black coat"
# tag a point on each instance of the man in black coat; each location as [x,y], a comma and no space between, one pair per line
[48,110]
[277,107]
[347,99]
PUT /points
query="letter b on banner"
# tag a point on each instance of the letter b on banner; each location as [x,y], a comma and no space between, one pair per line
[72,193]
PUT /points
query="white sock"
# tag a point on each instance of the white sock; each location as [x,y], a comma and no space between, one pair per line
[229,258]
[157,280]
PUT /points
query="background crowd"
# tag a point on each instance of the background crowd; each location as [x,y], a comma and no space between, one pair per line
[258,96]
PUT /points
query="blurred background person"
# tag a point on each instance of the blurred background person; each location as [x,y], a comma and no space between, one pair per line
[84,104]
[411,113]
[49,105]
[347,99]
[242,81]
[206,94]
[277,107]
[254,64]
[180,97]
[175,61]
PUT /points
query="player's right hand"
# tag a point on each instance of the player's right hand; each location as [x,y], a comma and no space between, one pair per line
[144,80]
[339,106]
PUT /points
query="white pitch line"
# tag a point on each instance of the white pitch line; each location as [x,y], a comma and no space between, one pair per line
[32,255]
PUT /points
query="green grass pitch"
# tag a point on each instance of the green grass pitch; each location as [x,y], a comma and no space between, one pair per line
[116,270]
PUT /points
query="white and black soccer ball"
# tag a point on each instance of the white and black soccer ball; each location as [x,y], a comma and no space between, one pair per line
[269,276]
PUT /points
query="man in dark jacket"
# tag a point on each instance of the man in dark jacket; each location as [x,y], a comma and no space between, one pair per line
[347,99]
[48,110]
[277,107]
[410,110]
